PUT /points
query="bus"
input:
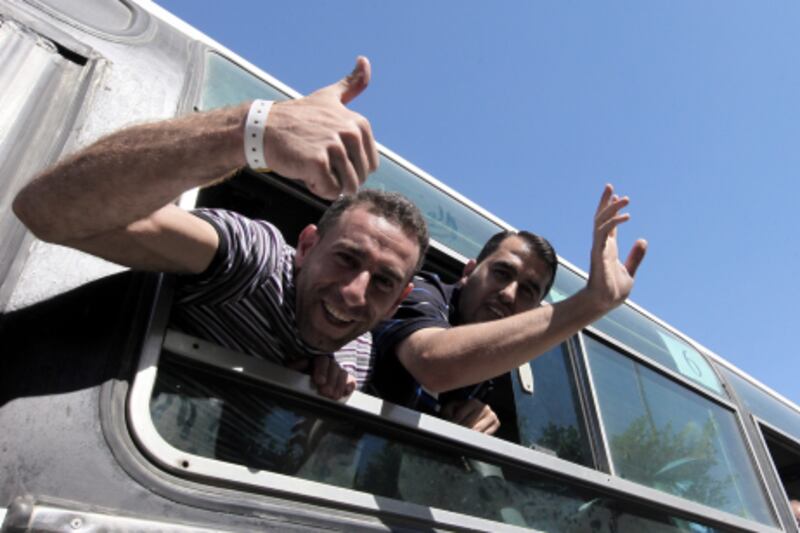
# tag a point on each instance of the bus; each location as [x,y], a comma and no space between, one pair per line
[111,420]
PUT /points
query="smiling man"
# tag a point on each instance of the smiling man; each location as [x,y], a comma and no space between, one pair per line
[239,283]
[445,338]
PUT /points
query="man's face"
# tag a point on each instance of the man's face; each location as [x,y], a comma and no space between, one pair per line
[507,282]
[352,278]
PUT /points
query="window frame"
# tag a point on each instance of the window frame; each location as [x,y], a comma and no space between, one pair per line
[202,469]
[660,369]
[761,424]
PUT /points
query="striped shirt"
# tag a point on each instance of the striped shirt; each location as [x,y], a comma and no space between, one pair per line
[245,300]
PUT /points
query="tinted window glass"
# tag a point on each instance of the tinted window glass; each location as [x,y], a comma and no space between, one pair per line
[207,413]
[643,335]
[663,435]
[764,406]
[225,83]
[549,415]
[450,222]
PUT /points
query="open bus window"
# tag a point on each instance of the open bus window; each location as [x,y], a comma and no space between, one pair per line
[237,422]
[548,410]
[666,436]
[785,454]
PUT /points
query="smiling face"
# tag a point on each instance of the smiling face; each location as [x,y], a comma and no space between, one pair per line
[352,277]
[508,281]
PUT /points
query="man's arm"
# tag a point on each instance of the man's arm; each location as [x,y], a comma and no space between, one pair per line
[113,198]
[445,359]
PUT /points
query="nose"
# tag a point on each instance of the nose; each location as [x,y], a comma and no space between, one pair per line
[509,293]
[354,292]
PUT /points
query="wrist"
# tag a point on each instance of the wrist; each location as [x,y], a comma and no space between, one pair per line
[255,121]
[593,302]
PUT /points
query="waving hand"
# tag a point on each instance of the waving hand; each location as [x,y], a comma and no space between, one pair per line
[611,281]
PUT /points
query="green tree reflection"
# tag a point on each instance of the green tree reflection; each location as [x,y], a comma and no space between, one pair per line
[678,462]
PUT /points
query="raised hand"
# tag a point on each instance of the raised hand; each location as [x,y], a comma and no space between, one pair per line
[611,281]
[320,142]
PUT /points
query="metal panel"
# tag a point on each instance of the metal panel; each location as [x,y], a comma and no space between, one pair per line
[41,93]
[27,515]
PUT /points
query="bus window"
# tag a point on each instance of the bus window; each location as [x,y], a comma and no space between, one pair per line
[234,420]
[225,83]
[765,406]
[643,335]
[665,436]
[450,222]
[548,409]
[785,455]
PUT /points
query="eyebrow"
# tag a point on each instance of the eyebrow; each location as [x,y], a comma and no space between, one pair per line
[355,249]
[513,268]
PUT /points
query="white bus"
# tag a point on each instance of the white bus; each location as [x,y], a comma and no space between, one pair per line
[110,420]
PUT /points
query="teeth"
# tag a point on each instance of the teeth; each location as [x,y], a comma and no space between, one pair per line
[338,315]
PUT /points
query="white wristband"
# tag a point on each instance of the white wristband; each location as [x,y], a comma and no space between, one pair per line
[254,135]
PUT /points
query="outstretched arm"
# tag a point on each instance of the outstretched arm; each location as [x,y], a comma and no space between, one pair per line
[445,359]
[113,198]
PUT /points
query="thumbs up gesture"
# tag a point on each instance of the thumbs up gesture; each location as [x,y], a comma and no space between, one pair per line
[320,142]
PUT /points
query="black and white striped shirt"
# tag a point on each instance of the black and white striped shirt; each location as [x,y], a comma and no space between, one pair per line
[245,300]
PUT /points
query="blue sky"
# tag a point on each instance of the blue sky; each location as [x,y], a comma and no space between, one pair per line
[529,107]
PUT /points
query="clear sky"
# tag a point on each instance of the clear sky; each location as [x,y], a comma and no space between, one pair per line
[528,107]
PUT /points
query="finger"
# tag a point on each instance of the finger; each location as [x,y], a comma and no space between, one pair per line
[322,181]
[472,419]
[338,380]
[343,169]
[488,423]
[607,228]
[350,384]
[356,154]
[493,427]
[635,256]
[612,208]
[607,191]
[467,411]
[370,147]
[346,89]
[321,364]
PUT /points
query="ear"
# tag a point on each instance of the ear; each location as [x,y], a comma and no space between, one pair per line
[468,268]
[406,291]
[308,238]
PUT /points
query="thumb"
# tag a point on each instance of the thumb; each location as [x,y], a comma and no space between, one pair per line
[635,256]
[354,83]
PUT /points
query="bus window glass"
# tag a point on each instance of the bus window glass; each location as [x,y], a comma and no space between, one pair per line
[665,436]
[548,410]
[225,83]
[764,406]
[450,222]
[228,418]
[643,335]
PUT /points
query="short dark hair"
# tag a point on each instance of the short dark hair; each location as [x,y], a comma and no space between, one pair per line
[393,206]
[538,244]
